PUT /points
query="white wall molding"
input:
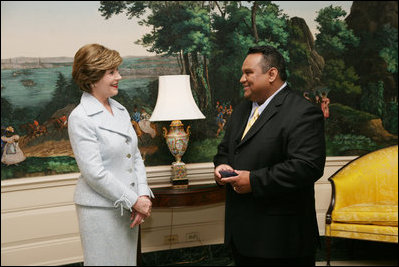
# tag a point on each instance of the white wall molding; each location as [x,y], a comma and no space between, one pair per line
[39,224]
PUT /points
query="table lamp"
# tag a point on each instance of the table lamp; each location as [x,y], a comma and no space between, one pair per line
[175,103]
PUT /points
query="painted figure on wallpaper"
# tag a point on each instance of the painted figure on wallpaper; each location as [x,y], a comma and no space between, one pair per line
[59,123]
[146,132]
[3,133]
[141,123]
[135,121]
[319,98]
[220,119]
[12,153]
[33,129]
[136,114]
[223,114]
[325,101]
[145,125]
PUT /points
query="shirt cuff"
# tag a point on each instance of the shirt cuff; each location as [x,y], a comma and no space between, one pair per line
[125,202]
[144,190]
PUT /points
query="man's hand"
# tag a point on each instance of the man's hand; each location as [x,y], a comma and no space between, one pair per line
[221,167]
[240,183]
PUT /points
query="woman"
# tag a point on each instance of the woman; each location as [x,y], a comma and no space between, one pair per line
[112,170]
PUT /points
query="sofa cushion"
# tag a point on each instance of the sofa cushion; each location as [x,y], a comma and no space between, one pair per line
[366,213]
[362,231]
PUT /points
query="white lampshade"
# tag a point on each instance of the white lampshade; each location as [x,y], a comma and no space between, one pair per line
[175,100]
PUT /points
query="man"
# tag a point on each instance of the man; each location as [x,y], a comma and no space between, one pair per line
[270,208]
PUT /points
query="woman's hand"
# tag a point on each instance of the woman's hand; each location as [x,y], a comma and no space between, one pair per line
[143,205]
[136,218]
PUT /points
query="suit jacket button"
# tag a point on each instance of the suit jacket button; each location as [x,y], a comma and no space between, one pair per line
[132,184]
[129,155]
[130,170]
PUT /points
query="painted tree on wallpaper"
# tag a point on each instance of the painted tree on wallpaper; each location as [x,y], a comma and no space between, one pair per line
[350,71]
[357,112]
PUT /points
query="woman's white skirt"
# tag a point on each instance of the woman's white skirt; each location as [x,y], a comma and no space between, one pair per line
[106,236]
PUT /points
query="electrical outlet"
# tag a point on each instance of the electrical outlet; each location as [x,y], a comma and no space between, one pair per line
[193,236]
[171,239]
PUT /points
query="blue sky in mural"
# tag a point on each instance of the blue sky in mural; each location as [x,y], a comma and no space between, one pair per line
[60,28]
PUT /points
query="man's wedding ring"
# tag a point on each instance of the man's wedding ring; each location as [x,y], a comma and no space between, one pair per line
[142,221]
[235,188]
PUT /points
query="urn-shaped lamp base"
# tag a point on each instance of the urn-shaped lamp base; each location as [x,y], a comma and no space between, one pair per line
[177,141]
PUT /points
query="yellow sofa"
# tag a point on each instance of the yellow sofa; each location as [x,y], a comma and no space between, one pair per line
[364,201]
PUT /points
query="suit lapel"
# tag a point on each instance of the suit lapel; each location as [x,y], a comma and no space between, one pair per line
[271,109]
[105,120]
[114,123]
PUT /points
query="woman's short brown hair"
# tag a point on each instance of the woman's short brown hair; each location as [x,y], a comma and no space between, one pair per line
[90,63]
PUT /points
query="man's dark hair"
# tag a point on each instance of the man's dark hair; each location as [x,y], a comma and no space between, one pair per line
[271,58]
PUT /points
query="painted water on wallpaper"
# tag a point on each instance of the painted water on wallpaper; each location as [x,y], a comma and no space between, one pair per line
[33,87]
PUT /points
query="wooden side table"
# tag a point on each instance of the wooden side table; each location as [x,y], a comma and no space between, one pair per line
[194,195]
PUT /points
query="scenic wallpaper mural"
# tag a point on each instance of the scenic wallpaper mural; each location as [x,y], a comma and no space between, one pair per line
[348,66]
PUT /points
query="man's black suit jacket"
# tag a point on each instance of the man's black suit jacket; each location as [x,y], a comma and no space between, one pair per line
[285,154]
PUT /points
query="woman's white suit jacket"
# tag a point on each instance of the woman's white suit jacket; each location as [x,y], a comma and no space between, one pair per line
[106,151]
